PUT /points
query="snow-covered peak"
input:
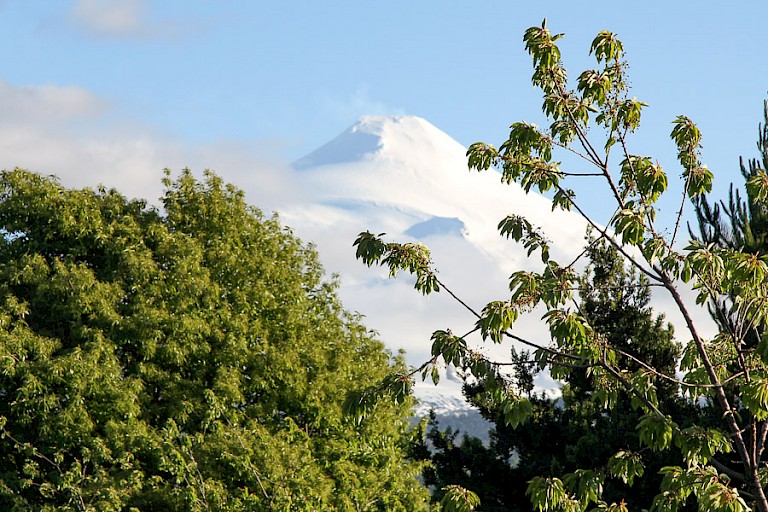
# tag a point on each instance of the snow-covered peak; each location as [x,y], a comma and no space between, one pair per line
[408,177]
[384,137]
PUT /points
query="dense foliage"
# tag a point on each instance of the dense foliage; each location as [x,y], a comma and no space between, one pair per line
[189,359]
[570,432]
[728,371]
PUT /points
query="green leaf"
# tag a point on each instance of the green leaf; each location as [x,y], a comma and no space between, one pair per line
[754,395]
[496,318]
[627,466]
[655,431]
[370,247]
[516,410]
[458,499]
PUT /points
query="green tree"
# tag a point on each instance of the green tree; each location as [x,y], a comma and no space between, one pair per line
[189,359]
[568,433]
[634,183]
[740,224]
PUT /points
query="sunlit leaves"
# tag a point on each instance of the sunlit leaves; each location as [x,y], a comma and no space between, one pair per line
[370,248]
[481,156]
[627,466]
[712,493]
[630,225]
[687,138]
[525,157]
[606,388]
[549,494]
[518,228]
[553,287]
[541,45]
[655,431]
[586,485]
[458,499]
[754,395]
[749,269]
[452,348]
[496,318]
[720,497]
[525,141]
[698,444]
[628,114]
[644,390]
[709,264]
[676,487]
[757,186]
[563,199]
[569,330]
[395,387]
[639,175]
[594,86]
[606,47]
[699,181]
[516,410]
[411,257]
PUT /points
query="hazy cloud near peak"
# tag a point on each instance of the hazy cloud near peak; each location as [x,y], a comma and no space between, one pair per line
[356,104]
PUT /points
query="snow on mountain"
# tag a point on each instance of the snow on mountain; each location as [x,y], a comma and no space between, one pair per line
[407,165]
[404,177]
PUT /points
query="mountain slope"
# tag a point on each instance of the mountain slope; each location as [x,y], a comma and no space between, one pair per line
[404,177]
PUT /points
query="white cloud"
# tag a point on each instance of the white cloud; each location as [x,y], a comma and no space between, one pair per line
[74,134]
[111,18]
[356,104]
[131,19]
[25,105]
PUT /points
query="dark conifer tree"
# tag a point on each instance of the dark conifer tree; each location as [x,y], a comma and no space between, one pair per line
[573,431]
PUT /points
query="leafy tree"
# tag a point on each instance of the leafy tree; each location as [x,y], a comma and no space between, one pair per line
[568,433]
[634,183]
[189,359]
[740,224]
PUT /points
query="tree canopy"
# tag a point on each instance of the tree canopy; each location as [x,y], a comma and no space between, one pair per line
[188,358]
[566,433]
[739,224]
[723,464]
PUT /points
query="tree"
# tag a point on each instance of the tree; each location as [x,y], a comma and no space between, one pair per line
[634,183]
[740,224]
[564,434]
[189,359]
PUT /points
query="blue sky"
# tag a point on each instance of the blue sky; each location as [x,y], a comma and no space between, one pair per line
[98,90]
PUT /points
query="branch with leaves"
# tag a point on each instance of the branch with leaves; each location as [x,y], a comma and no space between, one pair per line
[713,367]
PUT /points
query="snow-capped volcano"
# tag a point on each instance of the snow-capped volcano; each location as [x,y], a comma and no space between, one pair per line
[404,177]
[407,166]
